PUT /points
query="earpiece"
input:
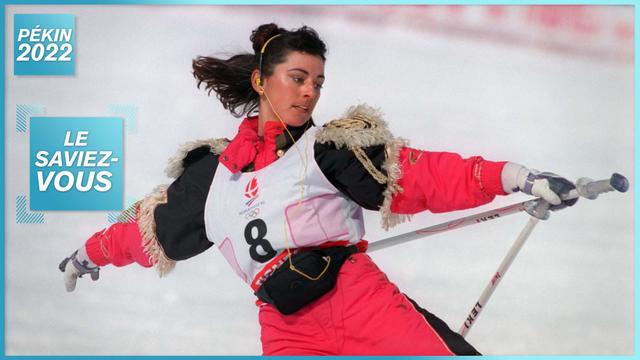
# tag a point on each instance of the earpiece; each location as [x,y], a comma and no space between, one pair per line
[259,84]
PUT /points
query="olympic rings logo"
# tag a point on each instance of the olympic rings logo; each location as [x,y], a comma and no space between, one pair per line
[252,214]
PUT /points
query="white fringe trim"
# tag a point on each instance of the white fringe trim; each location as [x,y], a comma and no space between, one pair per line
[348,132]
[363,126]
[394,172]
[175,163]
[147,225]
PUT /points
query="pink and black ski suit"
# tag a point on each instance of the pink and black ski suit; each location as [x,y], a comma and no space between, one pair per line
[364,314]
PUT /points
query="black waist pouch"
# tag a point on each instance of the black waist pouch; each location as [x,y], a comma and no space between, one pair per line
[289,290]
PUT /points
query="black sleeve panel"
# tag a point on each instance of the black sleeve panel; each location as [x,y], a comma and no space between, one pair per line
[180,222]
[347,174]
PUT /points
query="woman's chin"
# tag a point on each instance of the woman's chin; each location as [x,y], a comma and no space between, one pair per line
[297,120]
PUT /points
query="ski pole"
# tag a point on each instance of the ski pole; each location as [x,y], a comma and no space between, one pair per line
[502,269]
[588,189]
[449,225]
[585,187]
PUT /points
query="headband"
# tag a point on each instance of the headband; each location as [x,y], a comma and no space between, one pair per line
[264,47]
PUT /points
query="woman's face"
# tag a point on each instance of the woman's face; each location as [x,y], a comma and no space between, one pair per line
[293,89]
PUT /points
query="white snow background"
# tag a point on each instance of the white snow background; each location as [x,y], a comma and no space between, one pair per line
[570,291]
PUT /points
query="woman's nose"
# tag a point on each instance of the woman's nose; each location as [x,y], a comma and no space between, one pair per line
[308,90]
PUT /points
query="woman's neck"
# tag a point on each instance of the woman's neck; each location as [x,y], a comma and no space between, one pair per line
[264,114]
[261,125]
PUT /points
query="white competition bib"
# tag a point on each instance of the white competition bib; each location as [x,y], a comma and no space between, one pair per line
[252,217]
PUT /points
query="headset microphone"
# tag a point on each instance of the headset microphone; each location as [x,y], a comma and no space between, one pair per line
[264,47]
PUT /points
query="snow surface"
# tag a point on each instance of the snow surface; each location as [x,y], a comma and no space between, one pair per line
[570,291]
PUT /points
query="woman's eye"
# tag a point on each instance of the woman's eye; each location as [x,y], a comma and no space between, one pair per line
[318,86]
[297,79]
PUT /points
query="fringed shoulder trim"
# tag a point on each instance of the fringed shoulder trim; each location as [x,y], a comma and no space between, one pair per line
[394,172]
[147,225]
[175,166]
[360,126]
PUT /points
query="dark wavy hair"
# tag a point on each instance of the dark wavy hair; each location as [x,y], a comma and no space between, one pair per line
[231,79]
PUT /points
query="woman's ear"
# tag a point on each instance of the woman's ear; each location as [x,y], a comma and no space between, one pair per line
[256,81]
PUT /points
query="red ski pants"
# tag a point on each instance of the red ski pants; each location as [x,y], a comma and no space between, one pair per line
[365,314]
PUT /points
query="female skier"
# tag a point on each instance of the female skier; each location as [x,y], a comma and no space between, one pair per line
[283,203]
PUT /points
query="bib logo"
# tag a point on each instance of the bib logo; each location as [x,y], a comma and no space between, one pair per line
[44,44]
[76,163]
[251,191]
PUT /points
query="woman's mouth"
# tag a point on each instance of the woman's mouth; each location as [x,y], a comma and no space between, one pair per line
[301,108]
